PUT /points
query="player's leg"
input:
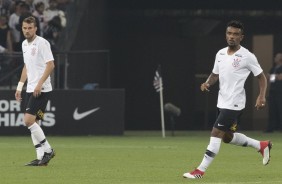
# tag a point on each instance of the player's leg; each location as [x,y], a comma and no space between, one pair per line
[35,142]
[223,123]
[217,134]
[263,147]
[239,139]
[30,121]
[34,111]
[39,152]
[37,133]
[211,151]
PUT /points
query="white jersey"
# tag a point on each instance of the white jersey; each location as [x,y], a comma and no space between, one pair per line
[36,54]
[233,71]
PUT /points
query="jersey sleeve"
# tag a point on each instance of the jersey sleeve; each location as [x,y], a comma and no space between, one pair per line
[46,51]
[253,65]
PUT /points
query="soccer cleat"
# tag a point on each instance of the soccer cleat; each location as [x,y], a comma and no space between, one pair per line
[34,163]
[46,158]
[196,174]
[265,147]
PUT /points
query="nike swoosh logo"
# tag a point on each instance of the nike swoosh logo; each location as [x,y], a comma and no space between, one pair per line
[219,124]
[79,116]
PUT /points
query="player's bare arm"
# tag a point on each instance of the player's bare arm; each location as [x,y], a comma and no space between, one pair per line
[260,102]
[212,79]
[49,68]
[20,84]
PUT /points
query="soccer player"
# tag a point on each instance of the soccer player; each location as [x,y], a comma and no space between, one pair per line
[232,66]
[38,65]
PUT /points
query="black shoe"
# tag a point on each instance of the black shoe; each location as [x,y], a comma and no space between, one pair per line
[46,158]
[33,163]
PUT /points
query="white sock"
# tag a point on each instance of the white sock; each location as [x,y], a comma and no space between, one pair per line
[242,140]
[46,146]
[38,148]
[211,152]
[39,135]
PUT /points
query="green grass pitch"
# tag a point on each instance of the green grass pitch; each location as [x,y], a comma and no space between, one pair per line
[138,158]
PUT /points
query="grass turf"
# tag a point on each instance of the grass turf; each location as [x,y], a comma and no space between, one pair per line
[137,158]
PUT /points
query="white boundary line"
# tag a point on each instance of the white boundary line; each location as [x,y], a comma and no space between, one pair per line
[247,182]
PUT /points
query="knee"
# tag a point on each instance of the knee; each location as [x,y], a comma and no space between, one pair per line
[227,137]
[29,120]
[28,123]
[217,133]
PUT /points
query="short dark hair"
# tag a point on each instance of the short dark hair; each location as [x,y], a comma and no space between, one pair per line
[37,5]
[236,24]
[24,5]
[30,20]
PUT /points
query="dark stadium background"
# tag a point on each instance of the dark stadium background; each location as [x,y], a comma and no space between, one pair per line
[183,37]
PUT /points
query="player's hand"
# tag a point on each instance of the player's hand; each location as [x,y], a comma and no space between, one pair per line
[18,96]
[260,103]
[37,91]
[205,87]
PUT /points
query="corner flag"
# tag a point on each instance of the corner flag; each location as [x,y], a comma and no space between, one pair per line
[158,82]
[158,85]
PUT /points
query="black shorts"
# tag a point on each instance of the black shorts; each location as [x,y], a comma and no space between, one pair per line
[36,106]
[227,120]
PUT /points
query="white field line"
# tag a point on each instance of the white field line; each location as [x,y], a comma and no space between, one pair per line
[247,182]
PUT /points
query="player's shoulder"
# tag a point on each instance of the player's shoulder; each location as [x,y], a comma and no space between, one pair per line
[42,40]
[245,51]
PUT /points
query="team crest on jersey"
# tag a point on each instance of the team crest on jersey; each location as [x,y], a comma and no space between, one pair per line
[33,51]
[236,62]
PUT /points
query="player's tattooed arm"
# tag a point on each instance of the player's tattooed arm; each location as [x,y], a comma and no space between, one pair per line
[212,79]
